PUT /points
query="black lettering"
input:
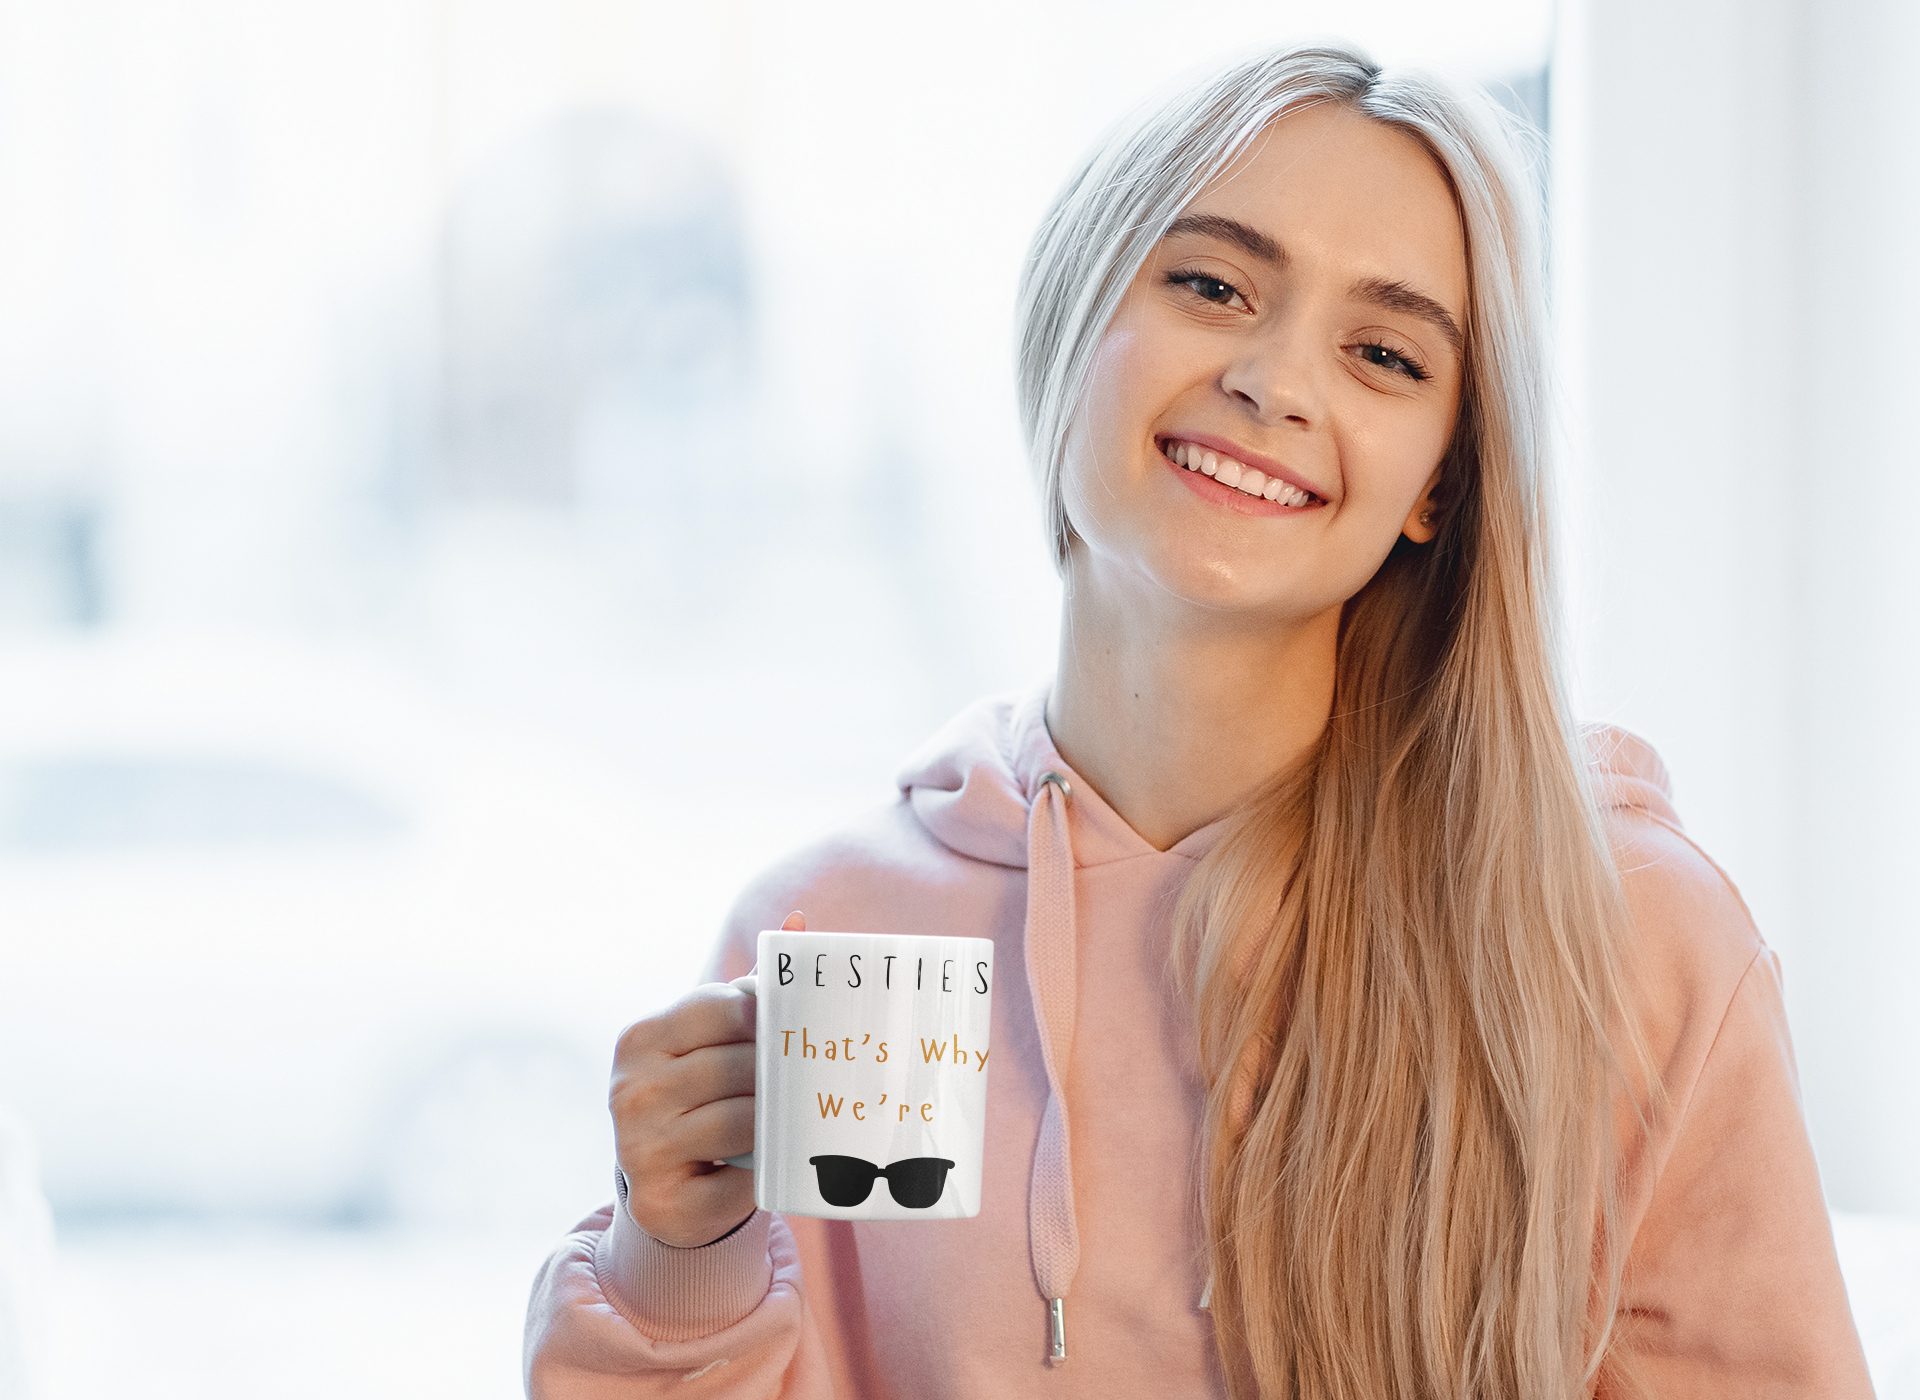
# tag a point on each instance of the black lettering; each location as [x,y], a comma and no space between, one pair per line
[890,958]
[919,972]
[946,977]
[819,972]
[786,968]
[853,961]
[980,971]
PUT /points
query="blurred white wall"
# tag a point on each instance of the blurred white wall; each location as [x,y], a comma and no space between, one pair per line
[26,1263]
[1736,197]
[350,443]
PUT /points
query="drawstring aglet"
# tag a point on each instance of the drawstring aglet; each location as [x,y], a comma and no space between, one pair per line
[1057,1315]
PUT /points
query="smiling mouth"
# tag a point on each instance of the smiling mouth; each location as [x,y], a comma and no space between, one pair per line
[1223,469]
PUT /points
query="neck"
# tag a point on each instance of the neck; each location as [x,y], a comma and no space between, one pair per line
[1177,714]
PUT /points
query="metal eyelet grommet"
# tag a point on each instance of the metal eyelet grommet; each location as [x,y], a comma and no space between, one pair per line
[1066,788]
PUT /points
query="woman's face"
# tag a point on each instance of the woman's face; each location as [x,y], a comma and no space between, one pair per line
[1301,321]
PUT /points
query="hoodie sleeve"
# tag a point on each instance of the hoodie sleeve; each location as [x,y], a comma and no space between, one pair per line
[1732,1285]
[616,1315]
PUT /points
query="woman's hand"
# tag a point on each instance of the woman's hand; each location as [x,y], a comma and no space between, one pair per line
[682,1099]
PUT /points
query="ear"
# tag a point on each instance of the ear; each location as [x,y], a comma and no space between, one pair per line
[1420,526]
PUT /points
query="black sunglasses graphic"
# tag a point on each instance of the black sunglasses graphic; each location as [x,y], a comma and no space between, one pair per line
[916,1182]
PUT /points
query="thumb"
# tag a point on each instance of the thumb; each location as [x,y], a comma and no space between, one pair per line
[796,923]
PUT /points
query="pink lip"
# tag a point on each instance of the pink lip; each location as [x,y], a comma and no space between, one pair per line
[1245,458]
[1239,502]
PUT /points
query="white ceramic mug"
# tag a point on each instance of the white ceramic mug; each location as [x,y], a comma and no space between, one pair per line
[870,1081]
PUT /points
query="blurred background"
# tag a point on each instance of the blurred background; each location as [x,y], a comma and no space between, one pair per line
[479,478]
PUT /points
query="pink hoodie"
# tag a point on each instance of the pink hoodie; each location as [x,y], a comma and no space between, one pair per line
[1090,1189]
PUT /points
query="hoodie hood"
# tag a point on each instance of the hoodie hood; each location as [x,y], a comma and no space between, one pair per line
[1627,774]
[973,785]
[972,782]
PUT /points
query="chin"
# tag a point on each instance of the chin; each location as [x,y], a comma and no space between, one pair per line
[1255,589]
[1220,588]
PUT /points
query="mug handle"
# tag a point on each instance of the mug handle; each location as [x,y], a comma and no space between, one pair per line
[750,984]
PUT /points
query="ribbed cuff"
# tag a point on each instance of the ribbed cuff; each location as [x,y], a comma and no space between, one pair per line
[677,1295]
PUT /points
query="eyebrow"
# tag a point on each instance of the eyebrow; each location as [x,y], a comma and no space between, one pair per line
[1242,236]
[1398,296]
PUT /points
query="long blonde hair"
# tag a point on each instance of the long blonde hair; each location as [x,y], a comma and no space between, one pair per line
[1407,1018]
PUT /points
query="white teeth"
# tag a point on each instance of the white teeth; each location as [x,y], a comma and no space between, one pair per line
[1228,472]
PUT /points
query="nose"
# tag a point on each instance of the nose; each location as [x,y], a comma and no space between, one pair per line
[1276,376]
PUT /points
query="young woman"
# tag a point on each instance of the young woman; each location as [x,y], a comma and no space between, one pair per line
[1380,1034]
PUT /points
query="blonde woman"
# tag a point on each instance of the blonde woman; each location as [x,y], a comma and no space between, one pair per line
[1380,1033]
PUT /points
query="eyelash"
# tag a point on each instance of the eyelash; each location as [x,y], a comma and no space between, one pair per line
[1186,277]
[1414,370]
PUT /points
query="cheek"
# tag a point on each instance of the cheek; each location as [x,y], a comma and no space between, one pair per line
[1401,455]
[1109,420]
[1087,500]
[1114,385]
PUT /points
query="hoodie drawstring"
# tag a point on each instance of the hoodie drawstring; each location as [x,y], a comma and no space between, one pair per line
[1053,1231]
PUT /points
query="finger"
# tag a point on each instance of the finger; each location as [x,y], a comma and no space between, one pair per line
[796,923]
[690,1206]
[687,1145]
[649,1098]
[726,1195]
[704,1076]
[712,1014]
[716,1131]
